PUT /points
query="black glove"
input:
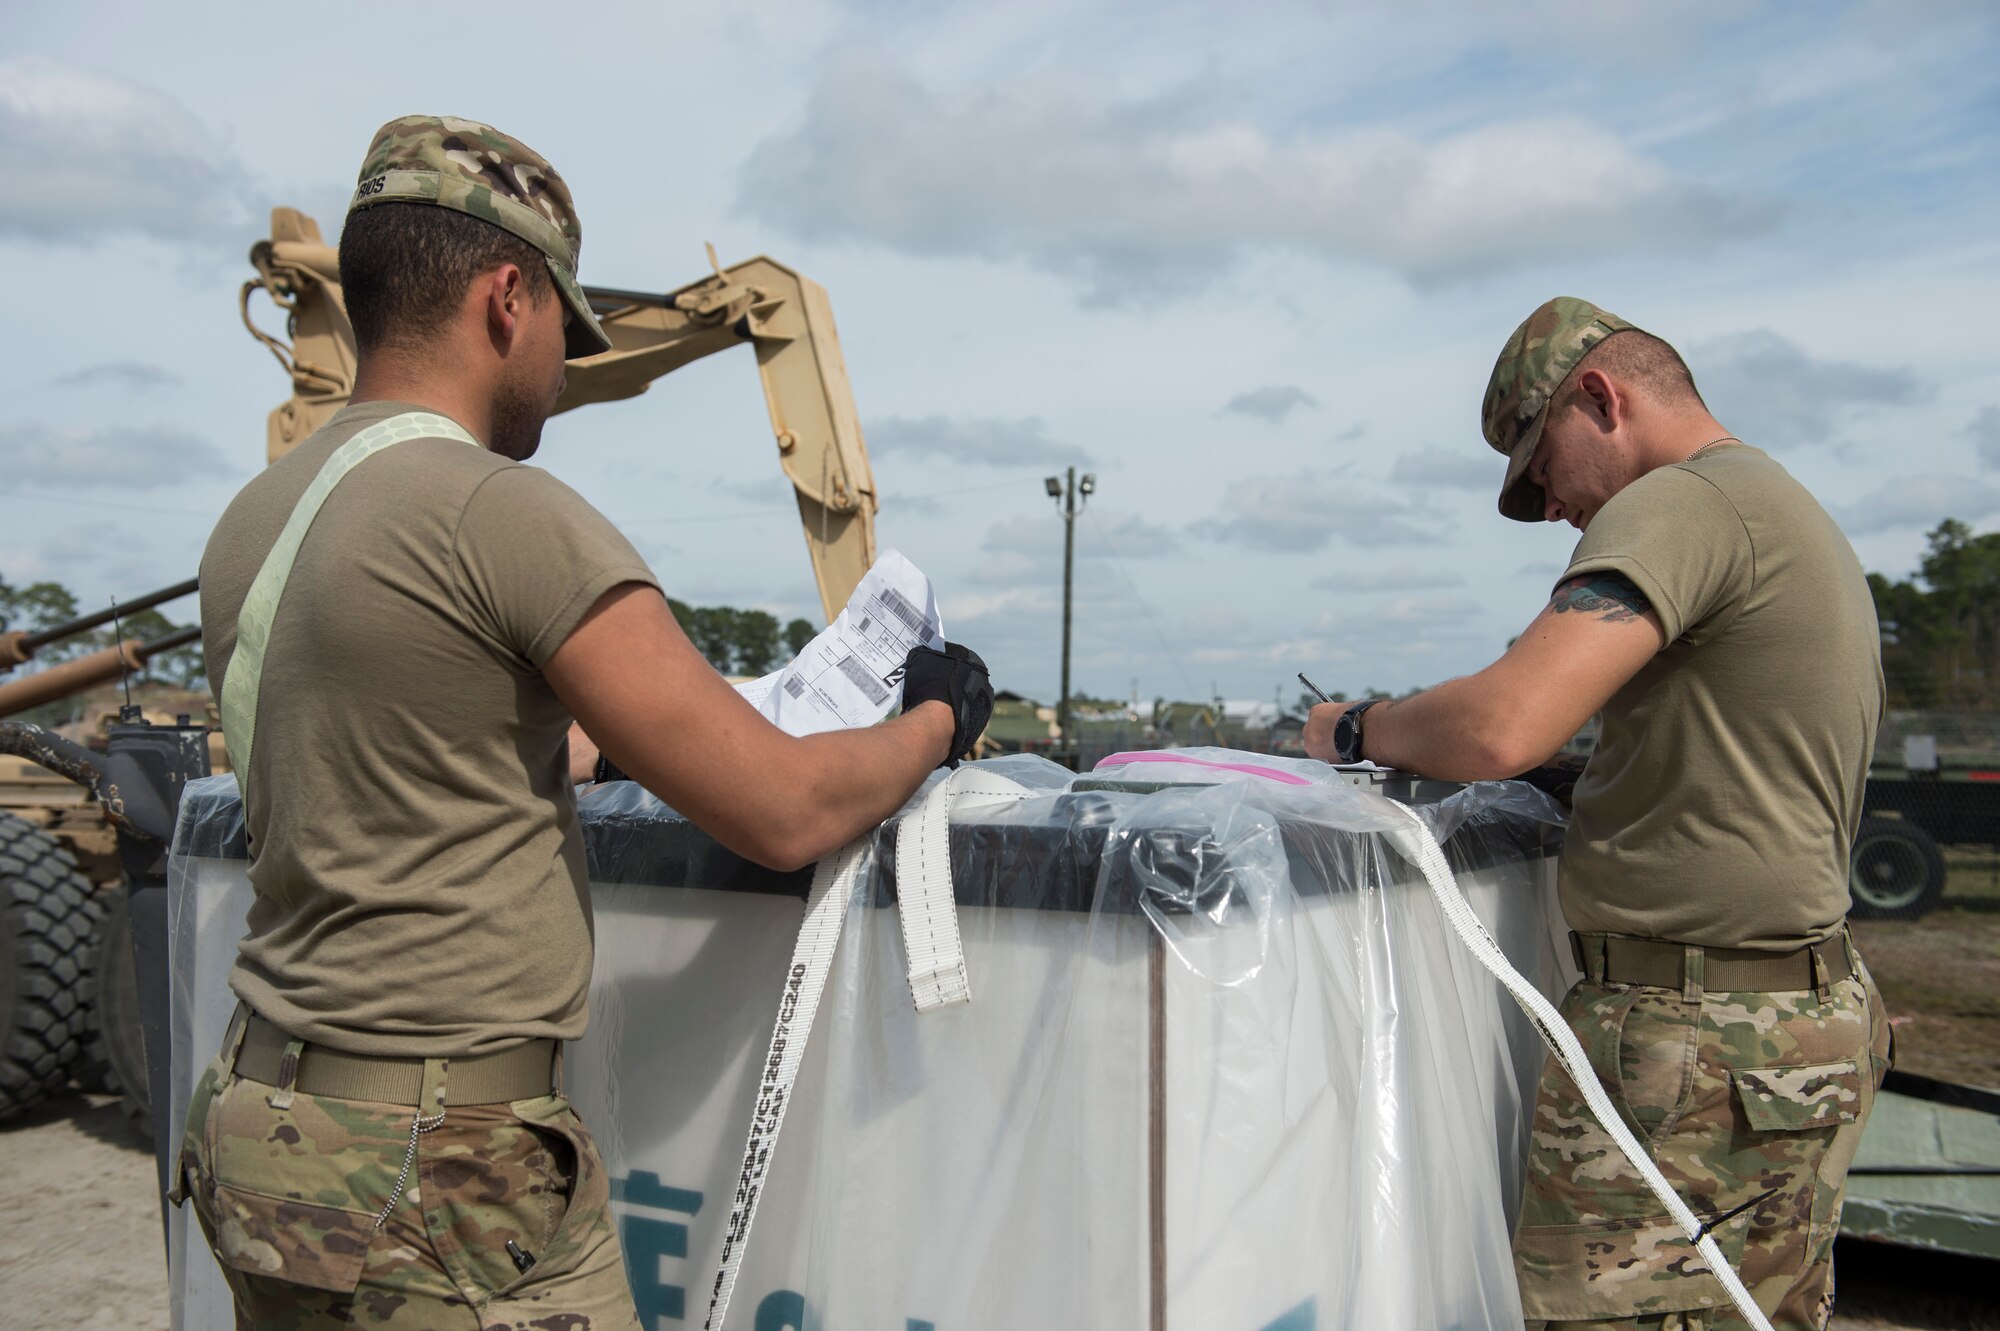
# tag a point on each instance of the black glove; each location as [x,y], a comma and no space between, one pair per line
[957,678]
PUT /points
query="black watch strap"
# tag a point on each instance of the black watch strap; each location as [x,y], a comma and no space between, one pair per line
[1347,733]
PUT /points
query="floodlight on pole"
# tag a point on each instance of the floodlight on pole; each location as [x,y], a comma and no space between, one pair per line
[1065,490]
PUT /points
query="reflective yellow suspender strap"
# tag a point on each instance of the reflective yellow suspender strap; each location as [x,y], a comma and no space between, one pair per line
[260,607]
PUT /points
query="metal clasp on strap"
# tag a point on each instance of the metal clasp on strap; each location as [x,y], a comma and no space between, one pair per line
[1588,951]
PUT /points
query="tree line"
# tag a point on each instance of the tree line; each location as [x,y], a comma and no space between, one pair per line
[741,642]
[1941,626]
[43,605]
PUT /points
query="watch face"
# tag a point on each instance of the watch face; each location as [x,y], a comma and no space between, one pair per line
[1346,732]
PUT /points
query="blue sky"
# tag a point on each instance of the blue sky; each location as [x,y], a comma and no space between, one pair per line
[1250,265]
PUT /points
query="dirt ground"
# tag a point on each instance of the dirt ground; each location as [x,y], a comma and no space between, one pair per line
[80,1239]
[1940,976]
[80,1245]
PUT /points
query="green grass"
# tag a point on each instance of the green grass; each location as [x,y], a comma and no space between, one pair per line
[1971,874]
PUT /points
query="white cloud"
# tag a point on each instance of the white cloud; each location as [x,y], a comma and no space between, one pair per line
[1302,512]
[1985,432]
[1405,610]
[85,154]
[988,442]
[1029,550]
[1273,402]
[1774,394]
[1634,32]
[1453,468]
[1008,605]
[1139,199]
[119,457]
[1538,572]
[1400,578]
[1920,502]
[130,375]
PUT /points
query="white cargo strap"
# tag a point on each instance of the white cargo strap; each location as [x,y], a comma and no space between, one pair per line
[937,978]
[245,674]
[805,981]
[925,897]
[1422,849]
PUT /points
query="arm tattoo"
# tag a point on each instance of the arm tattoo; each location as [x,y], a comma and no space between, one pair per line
[1609,596]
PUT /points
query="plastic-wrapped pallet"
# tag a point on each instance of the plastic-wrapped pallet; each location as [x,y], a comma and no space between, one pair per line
[1225,1067]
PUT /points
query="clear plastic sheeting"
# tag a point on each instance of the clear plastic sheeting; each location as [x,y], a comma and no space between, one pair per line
[1226,1068]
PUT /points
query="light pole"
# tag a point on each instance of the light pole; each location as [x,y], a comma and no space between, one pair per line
[1064,490]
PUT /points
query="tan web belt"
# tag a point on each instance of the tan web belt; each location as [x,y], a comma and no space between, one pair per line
[520,1073]
[1609,959]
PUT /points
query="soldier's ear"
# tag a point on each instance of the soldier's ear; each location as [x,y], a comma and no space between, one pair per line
[504,293]
[1599,398]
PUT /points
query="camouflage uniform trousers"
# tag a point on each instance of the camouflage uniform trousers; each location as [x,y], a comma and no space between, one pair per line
[1753,1100]
[288,1186]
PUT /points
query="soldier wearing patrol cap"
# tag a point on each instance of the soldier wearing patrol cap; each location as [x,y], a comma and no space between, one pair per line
[405,620]
[1718,621]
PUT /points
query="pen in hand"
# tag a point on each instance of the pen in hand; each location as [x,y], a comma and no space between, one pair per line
[1321,693]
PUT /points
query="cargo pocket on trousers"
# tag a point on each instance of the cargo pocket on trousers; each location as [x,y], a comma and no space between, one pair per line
[523,1201]
[589,1188]
[1821,1095]
[1618,1269]
[320,1247]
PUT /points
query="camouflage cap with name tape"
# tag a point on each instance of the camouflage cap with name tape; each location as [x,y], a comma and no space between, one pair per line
[1532,366]
[479,171]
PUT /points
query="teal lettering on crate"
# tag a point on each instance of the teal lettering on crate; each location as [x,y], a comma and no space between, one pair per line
[781,1310]
[785,1310]
[647,1240]
[1305,1317]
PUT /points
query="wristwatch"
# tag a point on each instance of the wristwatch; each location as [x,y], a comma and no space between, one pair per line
[1347,733]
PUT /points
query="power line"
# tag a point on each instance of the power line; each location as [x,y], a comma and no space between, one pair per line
[41,496]
[792,509]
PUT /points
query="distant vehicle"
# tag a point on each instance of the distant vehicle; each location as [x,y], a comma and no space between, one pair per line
[1896,870]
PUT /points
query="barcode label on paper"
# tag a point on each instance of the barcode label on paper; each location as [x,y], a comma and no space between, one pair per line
[899,605]
[795,686]
[864,679]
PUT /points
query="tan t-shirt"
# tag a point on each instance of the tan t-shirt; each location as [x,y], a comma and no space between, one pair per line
[1728,780]
[419,872]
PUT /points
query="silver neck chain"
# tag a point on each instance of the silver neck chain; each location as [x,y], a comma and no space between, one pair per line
[1719,439]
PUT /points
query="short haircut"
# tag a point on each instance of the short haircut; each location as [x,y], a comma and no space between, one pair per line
[404,268]
[1634,356]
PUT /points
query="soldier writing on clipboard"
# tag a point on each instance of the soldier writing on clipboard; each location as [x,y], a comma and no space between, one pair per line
[1719,621]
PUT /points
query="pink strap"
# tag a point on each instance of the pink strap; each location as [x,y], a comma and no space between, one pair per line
[1288,778]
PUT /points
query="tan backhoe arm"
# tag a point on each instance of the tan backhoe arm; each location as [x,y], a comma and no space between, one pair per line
[783,315]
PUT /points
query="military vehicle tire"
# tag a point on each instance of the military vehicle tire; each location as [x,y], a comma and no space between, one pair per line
[1895,871]
[46,914]
[114,1039]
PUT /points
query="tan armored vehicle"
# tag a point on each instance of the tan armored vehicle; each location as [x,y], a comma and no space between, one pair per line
[67,974]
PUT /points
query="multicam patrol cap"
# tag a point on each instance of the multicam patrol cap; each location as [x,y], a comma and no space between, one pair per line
[483,173]
[1532,366]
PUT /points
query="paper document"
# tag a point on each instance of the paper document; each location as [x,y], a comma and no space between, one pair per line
[852,673]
